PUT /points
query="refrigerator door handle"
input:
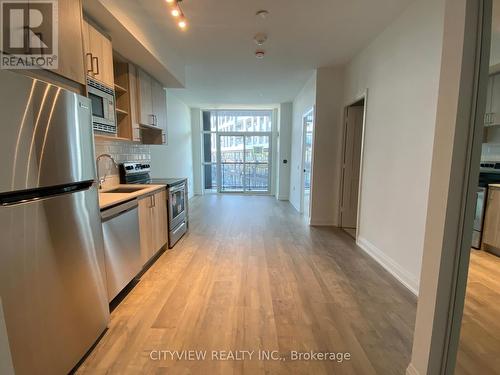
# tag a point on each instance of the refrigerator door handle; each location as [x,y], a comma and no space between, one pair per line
[31,195]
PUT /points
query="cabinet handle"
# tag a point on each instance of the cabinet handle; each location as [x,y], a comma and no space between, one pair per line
[153,119]
[97,65]
[163,138]
[91,70]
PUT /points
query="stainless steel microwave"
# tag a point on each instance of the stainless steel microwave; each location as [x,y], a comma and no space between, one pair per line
[103,106]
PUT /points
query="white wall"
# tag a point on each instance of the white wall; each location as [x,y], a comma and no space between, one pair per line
[401,71]
[284,151]
[176,158]
[327,146]
[304,101]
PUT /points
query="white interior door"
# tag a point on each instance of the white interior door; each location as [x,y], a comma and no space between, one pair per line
[352,161]
[307,139]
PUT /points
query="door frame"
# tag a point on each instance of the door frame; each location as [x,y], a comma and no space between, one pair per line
[453,183]
[362,96]
[310,111]
[269,164]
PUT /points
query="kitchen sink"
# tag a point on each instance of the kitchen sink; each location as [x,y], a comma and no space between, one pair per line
[124,189]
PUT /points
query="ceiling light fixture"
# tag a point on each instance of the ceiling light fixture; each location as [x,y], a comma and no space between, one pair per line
[260,39]
[260,54]
[177,12]
[262,13]
[182,23]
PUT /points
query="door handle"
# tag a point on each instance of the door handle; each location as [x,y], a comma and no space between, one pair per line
[97,65]
[91,70]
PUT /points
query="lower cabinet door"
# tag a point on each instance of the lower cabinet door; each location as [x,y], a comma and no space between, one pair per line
[146,228]
[160,220]
[491,227]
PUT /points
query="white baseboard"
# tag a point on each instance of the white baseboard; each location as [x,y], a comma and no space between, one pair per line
[282,197]
[321,223]
[411,370]
[403,276]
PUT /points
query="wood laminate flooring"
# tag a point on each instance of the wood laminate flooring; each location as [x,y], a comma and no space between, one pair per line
[479,349]
[251,275]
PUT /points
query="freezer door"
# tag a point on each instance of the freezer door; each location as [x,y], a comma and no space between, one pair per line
[52,281]
[47,136]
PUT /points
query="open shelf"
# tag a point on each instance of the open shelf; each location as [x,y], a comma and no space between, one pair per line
[120,89]
[121,112]
[111,138]
[150,127]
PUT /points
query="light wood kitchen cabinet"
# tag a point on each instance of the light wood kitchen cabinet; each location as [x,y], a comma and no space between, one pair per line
[153,224]
[491,229]
[70,59]
[152,106]
[160,225]
[70,72]
[98,55]
[125,95]
[145,98]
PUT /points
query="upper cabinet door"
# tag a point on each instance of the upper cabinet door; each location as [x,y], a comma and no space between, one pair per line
[145,98]
[99,56]
[70,59]
[160,106]
[108,76]
[89,64]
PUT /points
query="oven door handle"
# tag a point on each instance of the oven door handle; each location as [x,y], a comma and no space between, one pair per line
[175,189]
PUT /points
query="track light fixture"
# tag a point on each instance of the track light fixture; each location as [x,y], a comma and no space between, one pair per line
[176,12]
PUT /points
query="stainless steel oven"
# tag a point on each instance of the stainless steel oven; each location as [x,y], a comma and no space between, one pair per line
[176,212]
[103,106]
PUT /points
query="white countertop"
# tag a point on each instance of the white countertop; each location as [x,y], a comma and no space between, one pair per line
[110,199]
[494,186]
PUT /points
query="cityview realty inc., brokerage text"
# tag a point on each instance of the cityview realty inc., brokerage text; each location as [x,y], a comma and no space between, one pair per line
[247,355]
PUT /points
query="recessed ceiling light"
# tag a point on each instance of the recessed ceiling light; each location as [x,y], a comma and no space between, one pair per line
[175,12]
[262,13]
[260,54]
[170,1]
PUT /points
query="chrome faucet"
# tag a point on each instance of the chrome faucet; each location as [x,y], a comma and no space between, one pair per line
[98,159]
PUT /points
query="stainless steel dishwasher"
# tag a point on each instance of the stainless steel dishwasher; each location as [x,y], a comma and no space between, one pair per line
[122,246]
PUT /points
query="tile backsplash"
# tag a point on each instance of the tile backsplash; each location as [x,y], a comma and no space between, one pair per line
[120,152]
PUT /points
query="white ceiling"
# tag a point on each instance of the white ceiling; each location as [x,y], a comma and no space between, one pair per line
[218,48]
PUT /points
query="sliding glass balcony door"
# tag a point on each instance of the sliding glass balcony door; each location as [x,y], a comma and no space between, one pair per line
[244,162]
[237,151]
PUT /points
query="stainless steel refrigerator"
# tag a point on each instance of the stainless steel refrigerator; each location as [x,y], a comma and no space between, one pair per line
[52,282]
